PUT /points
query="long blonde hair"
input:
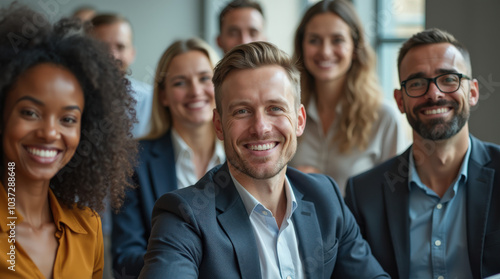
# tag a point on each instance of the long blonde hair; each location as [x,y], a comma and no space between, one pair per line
[362,97]
[161,118]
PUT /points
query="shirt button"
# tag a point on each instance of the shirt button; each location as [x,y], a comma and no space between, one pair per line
[440,277]
[289,277]
[437,242]
[439,206]
[264,212]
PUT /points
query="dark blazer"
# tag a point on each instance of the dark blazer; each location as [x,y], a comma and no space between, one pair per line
[379,199]
[154,176]
[204,231]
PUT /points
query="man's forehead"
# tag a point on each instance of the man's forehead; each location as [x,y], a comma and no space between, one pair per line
[264,74]
[119,27]
[431,58]
[261,79]
[246,15]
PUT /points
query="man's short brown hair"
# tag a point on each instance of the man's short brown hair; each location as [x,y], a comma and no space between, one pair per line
[253,56]
[238,4]
[433,36]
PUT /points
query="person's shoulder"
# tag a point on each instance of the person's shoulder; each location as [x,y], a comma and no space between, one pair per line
[388,119]
[387,112]
[148,143]
[312,183]
[314,178]
[490,151]
[395,166]
[161,144]
[208,186]
[388,108]
[142,92]
[139,85]
[81,220]
[492,148]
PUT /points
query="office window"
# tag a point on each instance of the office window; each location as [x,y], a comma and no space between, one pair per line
[396,21]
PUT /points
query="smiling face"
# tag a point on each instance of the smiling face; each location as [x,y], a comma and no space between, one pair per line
[328,47]
[436,115]
[41,121]
[241,26]
[189,91]
[259,123]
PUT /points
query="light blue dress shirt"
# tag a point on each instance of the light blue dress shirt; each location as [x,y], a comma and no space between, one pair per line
[438,231]
[143,95]
[278,247]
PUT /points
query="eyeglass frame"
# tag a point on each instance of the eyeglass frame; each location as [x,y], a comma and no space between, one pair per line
[434,80]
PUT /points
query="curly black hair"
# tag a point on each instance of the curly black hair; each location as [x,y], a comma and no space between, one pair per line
[104,159]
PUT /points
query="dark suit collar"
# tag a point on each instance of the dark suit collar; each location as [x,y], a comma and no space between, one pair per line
[396,196]
[308,233]
[478,152]
[162,144]
[234,220]
[307,227]
[479,192]
[162,165]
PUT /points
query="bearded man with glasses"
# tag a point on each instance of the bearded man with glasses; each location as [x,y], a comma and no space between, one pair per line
[434,211]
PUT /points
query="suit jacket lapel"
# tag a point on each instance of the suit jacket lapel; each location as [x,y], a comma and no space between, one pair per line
[234,220]
[162,166]
[309,235]
[396,196]
[479,190]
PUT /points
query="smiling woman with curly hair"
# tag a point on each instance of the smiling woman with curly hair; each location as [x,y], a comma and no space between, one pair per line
[65,127]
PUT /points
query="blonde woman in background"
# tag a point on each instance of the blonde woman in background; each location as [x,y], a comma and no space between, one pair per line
[349,129]
[179,150]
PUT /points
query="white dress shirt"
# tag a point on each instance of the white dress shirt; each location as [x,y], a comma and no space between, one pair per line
[278,247]
[184,167]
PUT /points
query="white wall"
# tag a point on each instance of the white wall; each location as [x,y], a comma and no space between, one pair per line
[157,23]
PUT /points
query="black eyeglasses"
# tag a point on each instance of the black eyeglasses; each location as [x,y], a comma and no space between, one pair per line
[446,83]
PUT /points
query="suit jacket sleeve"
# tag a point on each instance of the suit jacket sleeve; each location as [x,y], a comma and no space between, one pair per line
[129,240]
[351,204]
[355,259]
[175,245]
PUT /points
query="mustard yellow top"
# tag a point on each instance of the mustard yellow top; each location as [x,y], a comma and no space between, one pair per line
[80,253]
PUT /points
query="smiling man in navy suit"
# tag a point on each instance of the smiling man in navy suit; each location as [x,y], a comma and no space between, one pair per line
[254,217]
[434,211]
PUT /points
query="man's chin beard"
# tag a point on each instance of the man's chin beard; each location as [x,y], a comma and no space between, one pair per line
[439,129]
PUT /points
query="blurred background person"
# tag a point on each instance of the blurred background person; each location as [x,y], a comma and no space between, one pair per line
[116,32]
[57,91]
[179,150]
[349,129]
[240,22]
[84,13]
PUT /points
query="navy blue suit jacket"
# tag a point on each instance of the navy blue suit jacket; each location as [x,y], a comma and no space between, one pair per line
[204,231]
[379,199]
[154,176]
